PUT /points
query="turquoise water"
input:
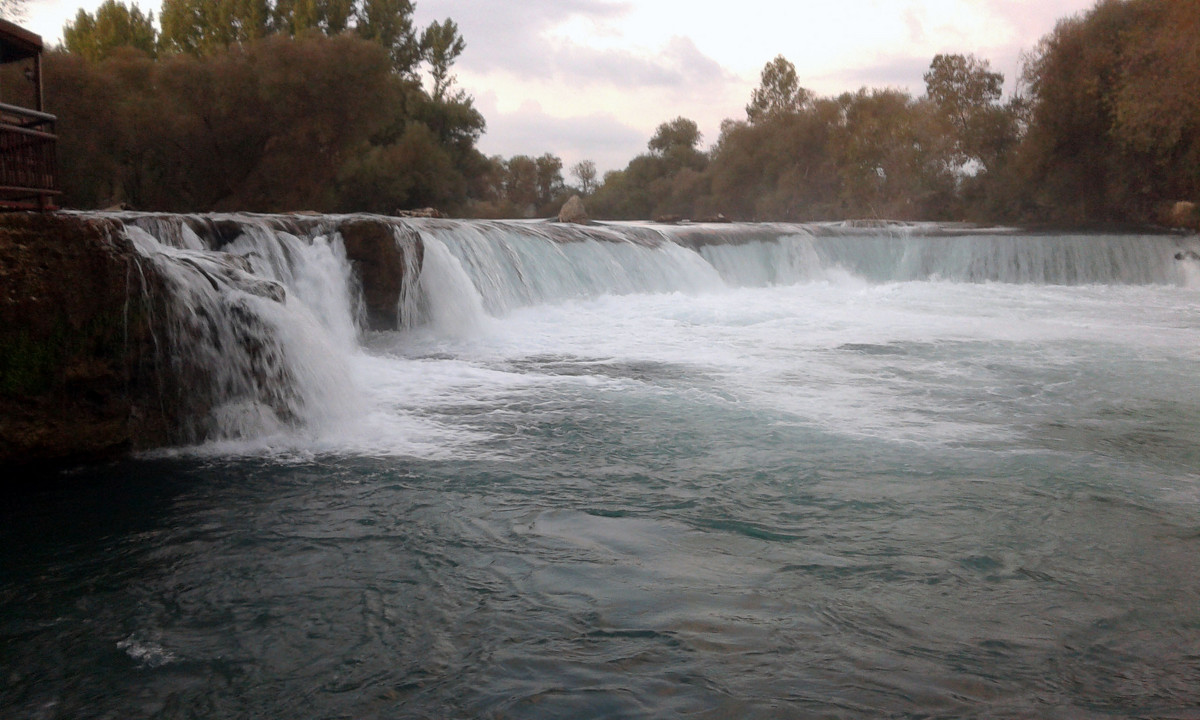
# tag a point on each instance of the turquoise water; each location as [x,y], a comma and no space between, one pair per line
[733,487]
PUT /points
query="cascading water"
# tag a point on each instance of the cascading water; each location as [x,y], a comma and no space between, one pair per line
[260,330]
[274,363]
[522,469]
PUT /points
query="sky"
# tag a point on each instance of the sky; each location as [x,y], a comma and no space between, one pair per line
[592,79]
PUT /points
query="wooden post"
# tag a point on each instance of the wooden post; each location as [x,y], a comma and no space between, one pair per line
[37,81]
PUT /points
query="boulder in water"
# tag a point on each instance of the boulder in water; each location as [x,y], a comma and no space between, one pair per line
[573,211]
[1184,214]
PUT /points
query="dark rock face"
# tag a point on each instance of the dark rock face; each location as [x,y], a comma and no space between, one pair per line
[77,342]
[105,350]
[382,254]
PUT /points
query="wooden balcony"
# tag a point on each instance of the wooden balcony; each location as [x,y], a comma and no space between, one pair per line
[27,162]
[27,138]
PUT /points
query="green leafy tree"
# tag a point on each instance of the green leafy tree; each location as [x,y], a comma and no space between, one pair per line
[550,185]
[114,25]
[674,136]
[203,26]
[440,47]
[651,185]
[327,16]
[888,162]
[521,184]
[1157,102]
[389,23]
[779,92]
[782,169]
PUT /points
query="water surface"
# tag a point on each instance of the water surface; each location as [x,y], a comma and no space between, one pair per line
[756,480]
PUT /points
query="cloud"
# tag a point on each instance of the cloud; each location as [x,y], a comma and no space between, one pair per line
[507,36]
[905,72]
[530,130]
[914,20]
[521,40]
[592,78]
[678,64]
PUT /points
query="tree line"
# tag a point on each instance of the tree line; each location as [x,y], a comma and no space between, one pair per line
[1104,128]
[344,105]
[267,105]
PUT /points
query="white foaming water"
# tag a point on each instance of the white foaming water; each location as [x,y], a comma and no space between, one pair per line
[746,471]
[513,265]
[314,270]
[450,304]
[266,367]
[982,339]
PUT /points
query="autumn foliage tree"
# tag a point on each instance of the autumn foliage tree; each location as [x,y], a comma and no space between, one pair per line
[1105,128]
[1115,112]
[256,105]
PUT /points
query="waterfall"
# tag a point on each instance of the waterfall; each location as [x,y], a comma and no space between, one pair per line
[494,267]
[267,311]
[255,348]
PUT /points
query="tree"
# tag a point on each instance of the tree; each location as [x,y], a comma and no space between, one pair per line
[585,172]
[674,136]
[1113,129]
[966,94]
[330,17]
[113,26]
[202,26]
[1157,102]
[675,146]
[960,85]
[440,47]
[549,180]
[521,184]
[778,93]
[389,23]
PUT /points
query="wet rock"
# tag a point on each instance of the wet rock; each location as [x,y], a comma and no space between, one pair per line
[420,213]
[79,375]
[384,256]
[216,233]
[1184,215]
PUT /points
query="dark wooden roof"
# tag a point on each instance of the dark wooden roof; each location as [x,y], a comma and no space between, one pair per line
[17,43]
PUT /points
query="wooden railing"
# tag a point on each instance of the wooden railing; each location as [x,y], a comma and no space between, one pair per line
[27,159]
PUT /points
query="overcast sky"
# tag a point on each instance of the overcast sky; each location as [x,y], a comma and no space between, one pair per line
[593,78]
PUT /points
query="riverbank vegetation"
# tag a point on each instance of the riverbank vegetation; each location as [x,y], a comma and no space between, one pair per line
[1104,128]
[290,105]
[341,106]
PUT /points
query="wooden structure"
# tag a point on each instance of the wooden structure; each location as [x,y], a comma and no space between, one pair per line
[27,139]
